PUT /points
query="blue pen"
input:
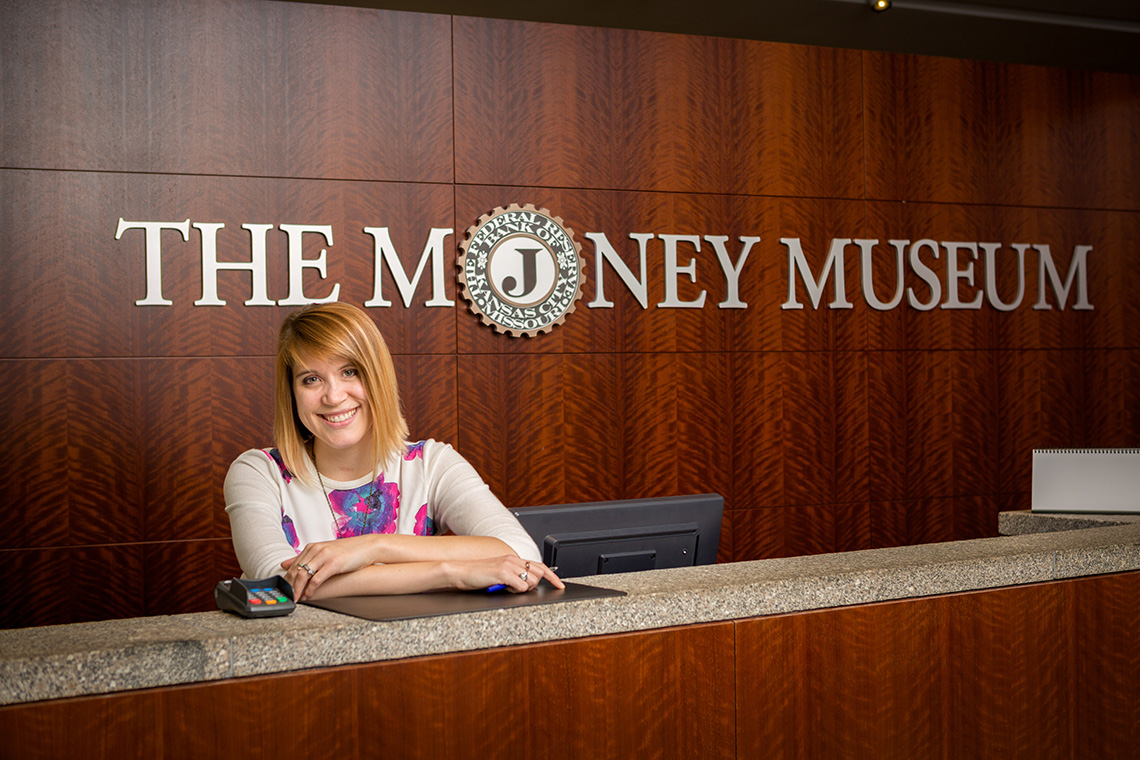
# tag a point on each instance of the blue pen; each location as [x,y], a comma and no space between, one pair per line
[501,586]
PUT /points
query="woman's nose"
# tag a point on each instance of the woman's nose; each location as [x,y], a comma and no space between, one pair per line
[334,392]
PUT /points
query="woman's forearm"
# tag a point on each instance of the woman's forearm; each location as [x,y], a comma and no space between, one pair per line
[414,577]
[398,548]
[399,578]
[397,564]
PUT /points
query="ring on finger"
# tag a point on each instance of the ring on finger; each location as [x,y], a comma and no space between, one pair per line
[308,569]
[523,575]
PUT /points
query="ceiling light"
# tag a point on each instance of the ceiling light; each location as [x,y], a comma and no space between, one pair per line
[880,5]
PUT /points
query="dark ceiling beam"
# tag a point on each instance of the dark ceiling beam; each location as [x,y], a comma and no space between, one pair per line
[1104,36]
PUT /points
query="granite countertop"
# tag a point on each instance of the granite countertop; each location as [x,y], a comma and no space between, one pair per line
[95,658]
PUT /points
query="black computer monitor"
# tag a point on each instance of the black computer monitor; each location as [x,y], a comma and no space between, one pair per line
[628,535]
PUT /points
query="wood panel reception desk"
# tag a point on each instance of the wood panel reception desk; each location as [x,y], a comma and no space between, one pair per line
[1021,645]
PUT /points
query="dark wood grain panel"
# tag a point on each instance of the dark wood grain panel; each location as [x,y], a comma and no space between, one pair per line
[204,720]
[757,533]
[974,422]
[595,425]
[106,451]
[809,436]
[935,427]
[1013,673]
[888,523]
[511,426]
[801,428]
[241,412]
[37,599]
[665,428]
[1018,672]
[977,516]
[146,435]
[888,428]
[245,88]
[179,576]
[955,131]
[33,484]
[33,267]
[1114,280]
[429,387]
[211,719]
[123,726]
[683,113]
[178,420]
[852,427]
[597,684]
[770,532]
[757,392]
[858,682]
[726,546]
[677,420]
[104,582]
[1112,401]
[1041,407]
[825,428]
[929,520]
[853,527]
[43,270]
[1106,677]
[769,724]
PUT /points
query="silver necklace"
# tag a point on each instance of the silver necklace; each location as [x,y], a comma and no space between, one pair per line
[368,500]
[328,500]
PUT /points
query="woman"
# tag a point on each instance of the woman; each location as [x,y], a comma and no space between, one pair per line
[344,505]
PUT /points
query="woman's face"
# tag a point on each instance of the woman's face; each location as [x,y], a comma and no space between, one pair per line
[333,405]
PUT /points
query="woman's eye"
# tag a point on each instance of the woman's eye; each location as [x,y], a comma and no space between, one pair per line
[308,380]
[351,372]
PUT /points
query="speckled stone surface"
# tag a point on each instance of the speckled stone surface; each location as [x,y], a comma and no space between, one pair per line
[1017,523]
[96,658]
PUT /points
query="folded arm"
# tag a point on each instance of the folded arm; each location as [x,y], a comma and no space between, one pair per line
[398,564]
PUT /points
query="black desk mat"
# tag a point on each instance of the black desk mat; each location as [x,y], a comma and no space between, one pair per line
[405,606]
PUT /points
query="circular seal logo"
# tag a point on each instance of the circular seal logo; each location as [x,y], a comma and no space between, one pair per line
[521,270]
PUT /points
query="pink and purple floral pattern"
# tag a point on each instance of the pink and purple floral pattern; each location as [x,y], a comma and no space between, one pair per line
[275,455]
[370,508]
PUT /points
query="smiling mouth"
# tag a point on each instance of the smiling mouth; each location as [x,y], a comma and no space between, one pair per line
[340,416]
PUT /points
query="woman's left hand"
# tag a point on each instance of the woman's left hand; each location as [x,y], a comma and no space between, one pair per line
[322,560]
[513,573]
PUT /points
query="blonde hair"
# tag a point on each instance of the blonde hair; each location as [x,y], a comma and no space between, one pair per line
[336,330]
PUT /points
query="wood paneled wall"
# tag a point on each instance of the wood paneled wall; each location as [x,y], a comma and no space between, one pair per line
[824,429]
[1041,671]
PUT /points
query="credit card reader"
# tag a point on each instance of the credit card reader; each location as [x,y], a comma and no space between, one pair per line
[268,597]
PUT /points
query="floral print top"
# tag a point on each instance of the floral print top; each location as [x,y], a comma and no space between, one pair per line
[424,490]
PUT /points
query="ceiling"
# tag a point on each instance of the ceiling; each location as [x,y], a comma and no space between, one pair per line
[1085,34]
